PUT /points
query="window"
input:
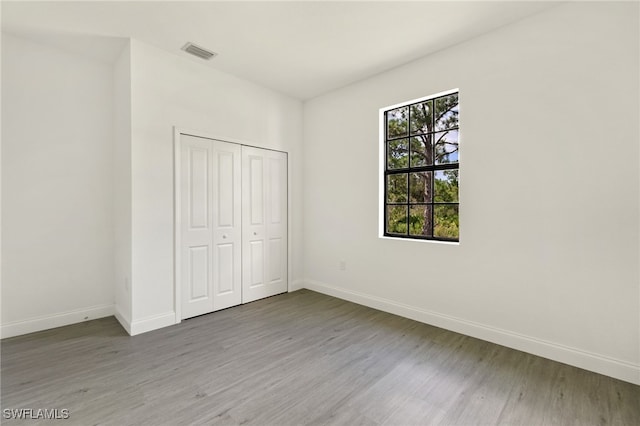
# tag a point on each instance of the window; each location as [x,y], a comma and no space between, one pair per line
[421,169]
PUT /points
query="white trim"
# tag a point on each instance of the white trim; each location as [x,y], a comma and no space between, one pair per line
[296,285]
[31,325]
[598,363]
[153,322]
[205,135]
[423,98]
[381,167]
[290,283]
[447,243]
[123,320]
[200,134]
[177,223]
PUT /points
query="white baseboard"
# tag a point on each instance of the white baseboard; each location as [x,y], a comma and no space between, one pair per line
[601,364]
[152,323]
[31,325]
[296,285]
[123,320]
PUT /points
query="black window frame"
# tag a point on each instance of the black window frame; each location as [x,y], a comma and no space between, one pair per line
[414,169]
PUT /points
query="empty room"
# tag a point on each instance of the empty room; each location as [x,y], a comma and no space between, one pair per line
[320,213]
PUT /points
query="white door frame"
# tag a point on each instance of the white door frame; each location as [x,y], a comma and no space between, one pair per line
[177,198]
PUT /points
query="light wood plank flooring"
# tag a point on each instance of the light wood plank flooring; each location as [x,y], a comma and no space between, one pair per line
[299,358]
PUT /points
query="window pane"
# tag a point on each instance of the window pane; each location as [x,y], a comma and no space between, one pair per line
[421,116]
[446,186]
[397,220]
[420,220]
[446,147]
[446,221]
[398,154]
[446,112]
[421,187]
[397,122]
[421,150]
[397,188]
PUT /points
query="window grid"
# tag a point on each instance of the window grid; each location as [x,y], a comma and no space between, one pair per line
[432,134]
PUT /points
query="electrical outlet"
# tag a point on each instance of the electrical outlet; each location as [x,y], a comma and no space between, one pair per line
[343,265]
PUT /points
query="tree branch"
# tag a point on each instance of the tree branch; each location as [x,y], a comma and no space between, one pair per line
[446,111]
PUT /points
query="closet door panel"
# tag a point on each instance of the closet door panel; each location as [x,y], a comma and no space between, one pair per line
[198,184]
[227,220]
[277,221]
[275,260]
[226,275]
[198,273]
[253,225]
[264,189]
[255,166]
[256,262]
[196,229]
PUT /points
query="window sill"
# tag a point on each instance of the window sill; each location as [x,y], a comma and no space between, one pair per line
[449,243]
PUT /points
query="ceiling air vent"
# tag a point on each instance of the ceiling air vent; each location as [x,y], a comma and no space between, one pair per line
[198,51]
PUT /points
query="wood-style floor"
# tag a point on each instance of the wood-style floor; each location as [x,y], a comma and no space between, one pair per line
[300,358]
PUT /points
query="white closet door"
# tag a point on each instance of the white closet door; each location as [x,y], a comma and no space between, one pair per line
[211,225]
[227,225]
[264,223]
[196,227]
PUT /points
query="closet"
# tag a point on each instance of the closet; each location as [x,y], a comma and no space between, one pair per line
[231,224]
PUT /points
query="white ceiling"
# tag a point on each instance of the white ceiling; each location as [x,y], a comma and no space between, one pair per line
[300,48]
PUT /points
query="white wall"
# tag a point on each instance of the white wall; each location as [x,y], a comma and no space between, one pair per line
[122,186]
[57,187]
[169,90]
[88,177]
[548,259]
